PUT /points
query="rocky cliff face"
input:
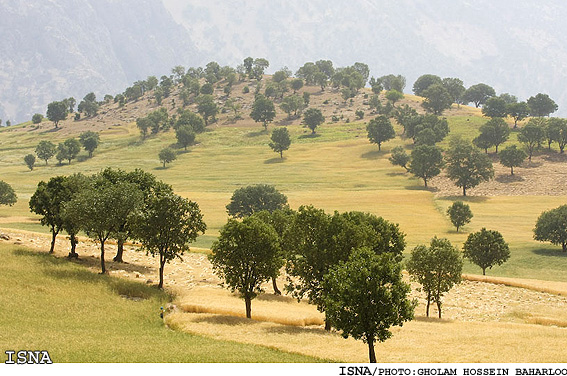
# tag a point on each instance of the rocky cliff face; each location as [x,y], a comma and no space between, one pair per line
[54,49]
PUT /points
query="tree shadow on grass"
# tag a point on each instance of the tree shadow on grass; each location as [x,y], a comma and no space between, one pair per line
[374,154]
[475,199]
[288,329]
[433,319]
[509,178]
[548,252]
[401,173]
[310,135]
[274,160]
[421,188]
[257,133]
[227,320]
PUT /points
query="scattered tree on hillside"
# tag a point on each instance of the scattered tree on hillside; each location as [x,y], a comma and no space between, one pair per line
[512,157]
[185,136]
[478,94]
[518,111]
[207,108]
[280,140]
[541,105]
[466,166]
[45,150]
[376,85]
[556,131]
[394,96]
[392,82]
[380,130]
[426,129]
[246,255]
[158,120]
[69,149]
[424,82]
[313,118]
[167,155]
[90,141]
[73,185]
[455,88]
[7,194]
[550,226]
[56,111]
[426,162]
[460,214]
[89,105]
[399,157]
[263,110]
[70,102]
[296,84]
[30,161]
[292,104]
[486,248]
[532,135]
[495,107]
[495,131]
[258,68]
[436,268]
[365,296]
[190,120]
[37,118]
[248,200]
[167,226]
[143,125]
[437,99]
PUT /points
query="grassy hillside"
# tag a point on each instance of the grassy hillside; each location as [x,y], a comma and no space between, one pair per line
[336,169]
[79,316]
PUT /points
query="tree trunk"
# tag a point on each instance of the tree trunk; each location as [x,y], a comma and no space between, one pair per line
[163,164]
[439,307]
[281,154]
[275,286]
[483,271]
[74,242]
[53,236]
[564,246]
[371,353]
[248,303]
[102,266]
[379,147]
[425,182]
[161,266]
[120,251]
[428,303]
[327,324]
[464,191]
[512,171]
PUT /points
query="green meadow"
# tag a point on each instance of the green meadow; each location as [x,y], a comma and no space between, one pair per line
[335,169]
[80,316]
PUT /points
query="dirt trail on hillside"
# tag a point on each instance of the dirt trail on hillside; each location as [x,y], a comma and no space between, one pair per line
[468,301]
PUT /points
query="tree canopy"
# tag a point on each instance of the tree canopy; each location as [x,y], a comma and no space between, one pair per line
[7,194]
[313,118]
[366,295]
[512,157]
[466,166]
[460,214]
[478,94]
[167,226]
[45,150]
[486,248]
[245,255]
[57,111]
[541,105]
[280,140]
[436,268]
[248,200]
[551,226]
[263,110]
[380,130]
[426,162]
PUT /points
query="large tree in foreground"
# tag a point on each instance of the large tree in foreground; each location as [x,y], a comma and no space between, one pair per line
[101,211]
[245,256]
[366,295]
[551,226]
[166,227]
[436,268]
[486,248]
[246,201]
[467,166]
